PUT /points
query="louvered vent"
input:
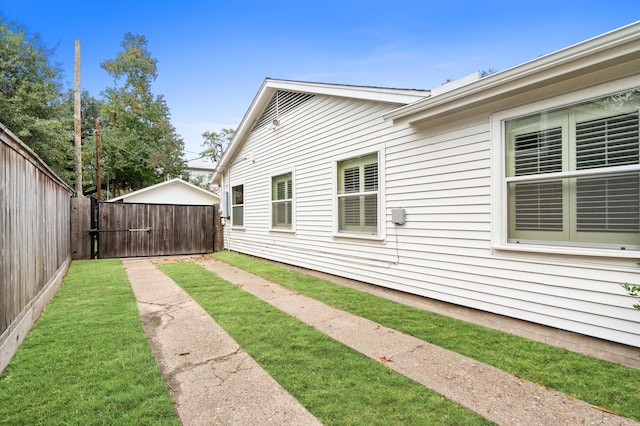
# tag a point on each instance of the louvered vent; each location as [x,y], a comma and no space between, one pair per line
[281,103]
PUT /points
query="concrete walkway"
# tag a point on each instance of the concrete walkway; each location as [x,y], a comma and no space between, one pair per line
[211,379]
[494,394]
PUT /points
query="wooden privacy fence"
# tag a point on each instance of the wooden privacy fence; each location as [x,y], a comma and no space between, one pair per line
[136,230]
[35,249]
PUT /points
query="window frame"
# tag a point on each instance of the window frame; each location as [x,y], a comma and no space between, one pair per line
[379,233]
[292,200]
[233,205]
[500,179]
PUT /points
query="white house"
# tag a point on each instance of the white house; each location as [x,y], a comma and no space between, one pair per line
[200,170]
[174,191]
[517,193]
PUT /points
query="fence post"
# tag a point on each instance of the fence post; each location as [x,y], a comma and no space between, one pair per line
[80,226]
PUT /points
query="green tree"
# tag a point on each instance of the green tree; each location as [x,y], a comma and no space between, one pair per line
[31,98]
[140,146]
[216,143]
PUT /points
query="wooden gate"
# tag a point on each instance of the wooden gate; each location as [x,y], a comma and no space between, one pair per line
[138,230]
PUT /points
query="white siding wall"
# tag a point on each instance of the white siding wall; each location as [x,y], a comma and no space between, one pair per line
[442,177]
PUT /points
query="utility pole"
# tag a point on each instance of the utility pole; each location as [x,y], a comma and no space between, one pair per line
[98,177]
[77,121]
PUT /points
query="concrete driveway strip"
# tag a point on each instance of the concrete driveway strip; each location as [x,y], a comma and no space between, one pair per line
[211,379]
[496,395]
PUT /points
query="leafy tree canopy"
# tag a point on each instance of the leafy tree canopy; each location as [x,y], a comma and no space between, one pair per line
[215,143]
[140,146]
[30,98]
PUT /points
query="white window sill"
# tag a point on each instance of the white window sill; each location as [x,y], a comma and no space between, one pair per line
[529,248]
[238,228]
[283,230]
[344,235]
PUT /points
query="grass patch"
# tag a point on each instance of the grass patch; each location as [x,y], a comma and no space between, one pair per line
[337,384]
[86,361]
[602,383]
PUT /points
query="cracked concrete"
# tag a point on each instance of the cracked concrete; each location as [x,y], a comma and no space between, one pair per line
[211,379]
[498,396]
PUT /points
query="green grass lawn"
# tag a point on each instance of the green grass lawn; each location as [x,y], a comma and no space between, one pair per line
[335,383]
[86,361]
[602,383]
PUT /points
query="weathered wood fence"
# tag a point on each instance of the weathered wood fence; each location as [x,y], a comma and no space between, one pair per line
[35,249]
[133,229]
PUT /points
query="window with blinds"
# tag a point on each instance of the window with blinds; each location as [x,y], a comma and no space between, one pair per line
[282,201]
[573,175]
[358,196]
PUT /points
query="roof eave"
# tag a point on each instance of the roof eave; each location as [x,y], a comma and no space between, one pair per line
[616,43]
[270,86]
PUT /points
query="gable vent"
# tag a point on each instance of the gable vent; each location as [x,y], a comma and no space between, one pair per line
[281,103]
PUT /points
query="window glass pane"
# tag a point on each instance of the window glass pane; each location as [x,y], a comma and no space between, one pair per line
[601,208]
[371,177]
[238,194]
[237,216]
[371,210]
[281,187]
[351,180]
[358,211]
[281,214]
[608,141]
[281,208]
[538,206]
[609,203]
[538,152]
[237,208]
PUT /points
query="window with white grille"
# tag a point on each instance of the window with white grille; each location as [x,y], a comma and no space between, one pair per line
[358,195]
[282,201]
[573,174]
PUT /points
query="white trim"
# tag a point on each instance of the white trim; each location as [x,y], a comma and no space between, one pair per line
[615,44]
[381,231]
[235,227]
[161,184]
[270,87]
[291,230]
[499,181]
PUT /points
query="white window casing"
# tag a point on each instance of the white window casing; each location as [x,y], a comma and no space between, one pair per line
[359,195]
[566,173]
[237,206]
[282,206]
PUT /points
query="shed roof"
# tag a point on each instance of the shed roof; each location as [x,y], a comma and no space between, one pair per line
[159,186]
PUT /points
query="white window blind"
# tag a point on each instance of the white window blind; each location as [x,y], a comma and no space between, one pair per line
[282,201]
[358,196]
[573,174]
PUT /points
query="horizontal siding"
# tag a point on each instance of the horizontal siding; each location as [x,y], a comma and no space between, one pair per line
[442,177]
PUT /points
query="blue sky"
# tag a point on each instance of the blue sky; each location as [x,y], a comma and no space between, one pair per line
[214,55]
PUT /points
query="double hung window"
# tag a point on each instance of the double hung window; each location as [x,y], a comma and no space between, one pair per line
[282,201]
[358,195]
[573,174]
[237,205]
